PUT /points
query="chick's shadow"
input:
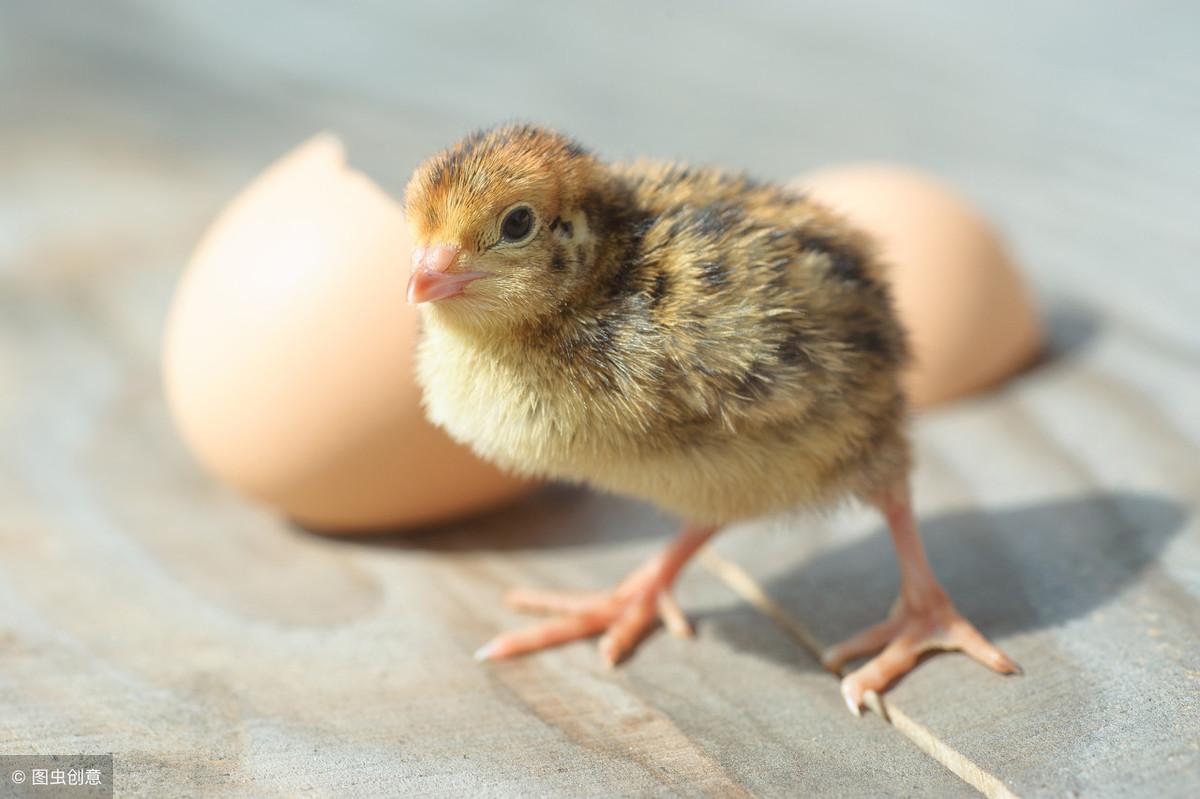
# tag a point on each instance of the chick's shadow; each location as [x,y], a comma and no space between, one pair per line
[1070,328]
[555,516]
[1008,571]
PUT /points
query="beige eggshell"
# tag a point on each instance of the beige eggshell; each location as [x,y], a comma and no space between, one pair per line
[288,357]
[969,313]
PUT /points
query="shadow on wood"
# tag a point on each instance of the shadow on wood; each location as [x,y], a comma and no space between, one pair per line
[1071,327]
[555,516]
[1009,571]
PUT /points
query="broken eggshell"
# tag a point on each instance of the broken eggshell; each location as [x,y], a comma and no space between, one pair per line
[288,357]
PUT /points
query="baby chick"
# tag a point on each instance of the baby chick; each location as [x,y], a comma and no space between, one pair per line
[718,346]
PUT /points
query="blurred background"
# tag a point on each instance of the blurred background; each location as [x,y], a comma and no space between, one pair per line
[145,610]
[1072,124]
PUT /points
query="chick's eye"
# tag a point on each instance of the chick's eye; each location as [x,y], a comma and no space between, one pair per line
[517,224]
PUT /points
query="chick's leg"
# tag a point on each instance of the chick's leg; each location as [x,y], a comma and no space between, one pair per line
[922,619]
[623,614]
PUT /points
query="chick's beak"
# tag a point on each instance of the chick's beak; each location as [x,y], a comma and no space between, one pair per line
[433,277]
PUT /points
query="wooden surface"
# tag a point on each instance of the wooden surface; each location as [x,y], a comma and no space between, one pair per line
[215,650]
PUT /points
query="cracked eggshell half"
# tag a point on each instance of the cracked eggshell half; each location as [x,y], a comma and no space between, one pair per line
[970,315]
[288,357]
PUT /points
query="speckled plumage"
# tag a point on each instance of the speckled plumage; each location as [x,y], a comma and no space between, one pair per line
[718,346]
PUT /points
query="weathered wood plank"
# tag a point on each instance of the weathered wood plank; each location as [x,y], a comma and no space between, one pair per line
[155,616]
[213,648]
[146,611]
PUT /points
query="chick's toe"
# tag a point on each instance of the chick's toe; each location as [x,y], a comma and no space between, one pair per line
[624,615]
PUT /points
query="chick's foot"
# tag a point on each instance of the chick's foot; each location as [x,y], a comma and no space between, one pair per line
[908,633]
[624,615]
[922,619]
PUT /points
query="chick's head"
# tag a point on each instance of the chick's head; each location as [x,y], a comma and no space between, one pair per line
[487,216]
